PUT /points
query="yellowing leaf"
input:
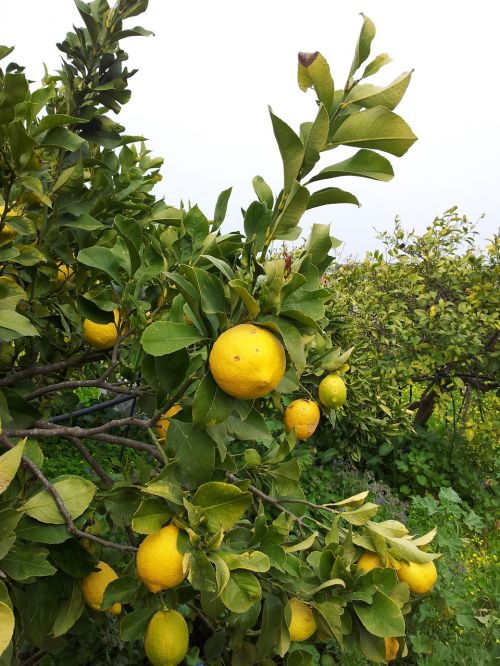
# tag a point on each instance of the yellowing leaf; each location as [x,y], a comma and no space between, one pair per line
[75,492]
[9,464]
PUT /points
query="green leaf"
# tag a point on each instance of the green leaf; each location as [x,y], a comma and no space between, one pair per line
[223,504]
[7,624]
[365,164]
[102,258]
[291,338]
[194,451]
[197,227]
[253,427]
[166,485]
[23,562]
[151,515]
[314,136]
[165,337]
[70,179]
[382,617]
[376,128]
[56,120]
[84,221]
[9,464]
[256,222]
[221,208]
[291,150]
[5,50]
[293,209]
[9,518]
[69,612]
[75,492]
[15,325]
[251,561]
[328,619]
[31,530]
[364,44]
[331,195]
[60,137]
[387,96]
[202,574]
[133,625]
[376,65]
[121,590]
[241,288]
[241,592]
[263,191]
[314,72]
[211,405]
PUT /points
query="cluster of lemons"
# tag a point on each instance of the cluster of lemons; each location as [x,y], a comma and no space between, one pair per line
[247,362]
[420,578]
[160,567]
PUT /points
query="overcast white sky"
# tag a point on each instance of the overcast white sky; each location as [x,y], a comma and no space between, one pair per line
[206,77]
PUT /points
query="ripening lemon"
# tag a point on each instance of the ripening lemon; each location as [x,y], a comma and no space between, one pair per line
[159,561]
[163,424]
[247,361]
[167,638]
[302,624]
[94,586]
[420,577]
[369,561]
[303,415]
[332,392]
[64,273]
[101,336]
[391,648]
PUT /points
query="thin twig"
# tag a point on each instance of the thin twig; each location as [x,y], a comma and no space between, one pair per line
[72,528]
[34,371]
[72,384]
[97,407]
[270,500]
[88,457]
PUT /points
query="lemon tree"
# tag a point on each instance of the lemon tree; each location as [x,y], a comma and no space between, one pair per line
[205,547]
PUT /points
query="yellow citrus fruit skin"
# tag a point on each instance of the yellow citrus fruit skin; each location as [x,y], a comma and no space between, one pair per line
[64,273]
[332,392]
[94,586]
[167,638]
[101,336]
[247,361]
[159,562]
[391,648]
[420,577]
[163,424]
[370,560]
[302,624]
[303,415]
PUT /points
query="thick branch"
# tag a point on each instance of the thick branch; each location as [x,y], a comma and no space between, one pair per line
[112,388]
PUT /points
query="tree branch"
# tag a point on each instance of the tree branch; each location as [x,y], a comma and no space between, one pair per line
[88,457]
[72,528]
[34,371]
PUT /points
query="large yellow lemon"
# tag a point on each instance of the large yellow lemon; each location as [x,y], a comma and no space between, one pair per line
[94,586]
[247,361]
[64,273]
[159,561]
[302,624]
[167,638]
[391,648]
[332,392]
[420,577]
[101,336]
[163,424]
[303,415]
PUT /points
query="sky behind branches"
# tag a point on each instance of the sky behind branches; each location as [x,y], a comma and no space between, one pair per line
[206,77]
